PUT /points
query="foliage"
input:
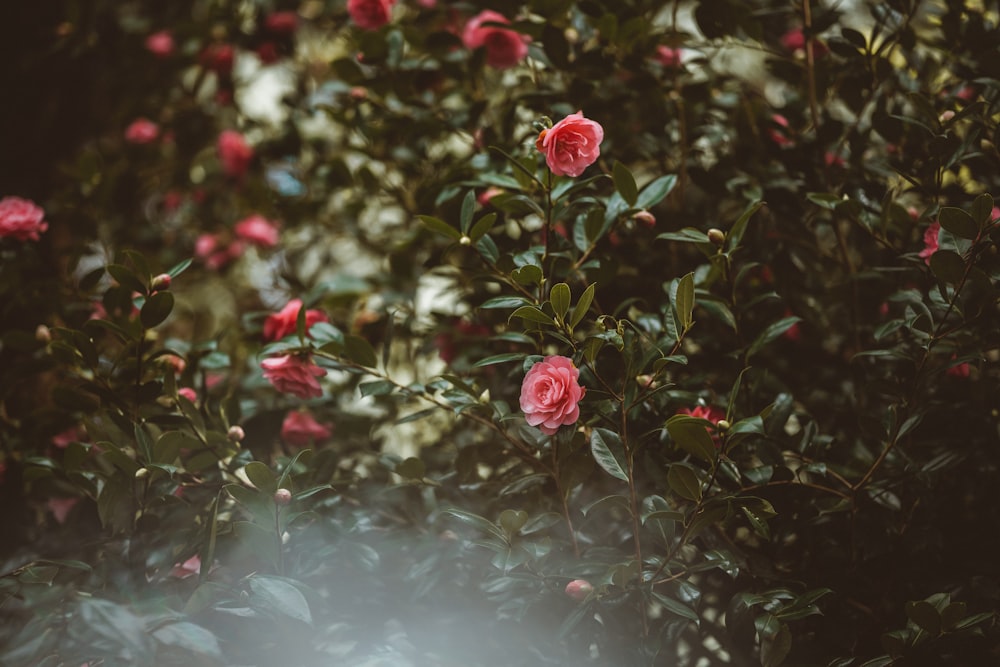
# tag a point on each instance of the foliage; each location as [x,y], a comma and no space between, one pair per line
[778,283]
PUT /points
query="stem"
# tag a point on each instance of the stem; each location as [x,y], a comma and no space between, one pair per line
[546,232]
[634,506]
[810,64]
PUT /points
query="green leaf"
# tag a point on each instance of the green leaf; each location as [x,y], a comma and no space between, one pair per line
[156,309]
[982,210]
[261,477]
[273,595]
[376,388]
[475,521]
[691,434]
[411,468]
[468,208]
[440,226]
[676,607]
[512,521]
[625,183]
[583,305]
[739,227]
[560,297]
[483,226]
[488,249]
[772,332]
[948,266]
[505,302]
[958,222]
[925,616]
[500,358]
[189,637]
[684,482]
[656,191]
[609,452]
[179,268]
[827,200]
[526,275]
[532,314]
[360,351]
[126,278]
[686,235]
[774,650]
[685,301]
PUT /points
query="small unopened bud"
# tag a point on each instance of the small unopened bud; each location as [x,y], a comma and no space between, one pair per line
[722,425]
[645,217]
[646,381]
[946,116]
[161,282]
[716,236]
[282,497]
[142,473]
[235,433]
[540,141]
[42,334]
[465,240]
[579,589]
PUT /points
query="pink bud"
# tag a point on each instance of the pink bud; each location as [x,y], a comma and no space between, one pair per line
[579,589]
[161,282]
[282,497]
[236,433]
[645,217]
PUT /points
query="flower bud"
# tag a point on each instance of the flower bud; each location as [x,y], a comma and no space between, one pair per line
[42,334]
[161,282]
[465,240]
[645,217]
[716,236]
[235,433]
[142,473]
[282,497]
[579,589]
[722,425]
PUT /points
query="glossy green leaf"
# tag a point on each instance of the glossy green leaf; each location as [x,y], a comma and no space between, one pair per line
[532,314]
[156,309]
[500,359]
[685,301]
[189,637]
[739,227]
[482,226]
[684,482]
[360,351]
[948,266]
[625,183]
[982,210]
[925,616]
[560,298]
[276,597]
[512,521]
[261,477]
[468,208]
[772,332]
[440,226]
[655,192]
[691,435]
[958,222]
[583,305]
[609,452]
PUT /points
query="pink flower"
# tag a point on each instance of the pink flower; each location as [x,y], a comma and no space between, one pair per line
[579,589]
[282,23]
[235,153]
[668,57]
[188,568]
[489,193]
[258,230]
[370,14]
[300,429]
[571,145]
[294,375]
[794,42]
[504,48]
[188,393]
[142,131]
[160,44]
[645,217]
[60,507]
[959,370]
[281,324]
[21,219]
[550,394]
[930,241]
[268,53]
[218,58]
[63,439]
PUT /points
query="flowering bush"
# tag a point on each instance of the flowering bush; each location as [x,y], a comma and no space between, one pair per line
[704,377]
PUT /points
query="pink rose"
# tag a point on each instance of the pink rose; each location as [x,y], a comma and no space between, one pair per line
[142,131]
[930,241]
[160,44]
[294,375]
[234,153]
[550,394]
[300,429]
[258,230]
[504,48]
[281,324]
[282,23]
[21,219]
[370,14]
[571,145]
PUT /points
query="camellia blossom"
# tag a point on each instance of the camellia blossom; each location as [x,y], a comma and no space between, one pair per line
[282,23]
[160,44]
[142,131]
[370,14]
[21,219]
[551,393]
[283,323]
[668,57]
[258,230]
[234,153]
[294,374]
[571,145]
[930,241]
[301,429]
[504,48]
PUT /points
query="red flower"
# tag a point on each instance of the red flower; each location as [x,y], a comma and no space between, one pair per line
[21,219]
[668,57]
[294,375]
[218,58]
[504,48]
[281,324]
[160,44]
[300,429]
[282,23]
[258,230]
[930,241]
[551,393]
[235,153]
[370,14]
[571,145]
[142,131]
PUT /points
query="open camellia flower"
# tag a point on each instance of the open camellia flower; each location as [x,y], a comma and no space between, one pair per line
[281,324]
[930,241]
[294,374]
[300,429]
[504,48]
[550,394]
[571,145]
[142,131]
[21,219]
[234,153]
[370,14]
[258,230]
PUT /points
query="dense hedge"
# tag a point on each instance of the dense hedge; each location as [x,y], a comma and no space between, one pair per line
[545,333]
